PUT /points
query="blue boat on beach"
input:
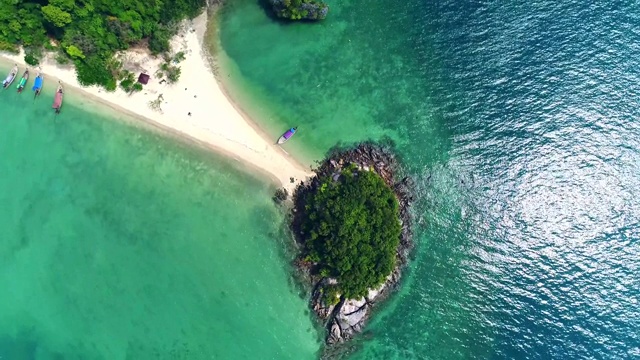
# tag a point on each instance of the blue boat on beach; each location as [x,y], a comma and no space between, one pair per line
[37,85]
[287,135]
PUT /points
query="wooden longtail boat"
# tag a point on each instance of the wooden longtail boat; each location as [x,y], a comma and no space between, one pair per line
[57,100]
[37,84]
[23,81]
[287,135]
[12,76]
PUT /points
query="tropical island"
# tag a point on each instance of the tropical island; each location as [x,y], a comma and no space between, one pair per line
[352,223]
[300,9]
[350,216]
[92,46]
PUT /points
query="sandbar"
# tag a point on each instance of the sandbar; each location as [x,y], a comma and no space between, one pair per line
[214,120]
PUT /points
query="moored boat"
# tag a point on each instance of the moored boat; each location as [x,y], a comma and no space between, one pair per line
[57,100]
[37,84]
[23,81]
[12,76]
[287,135]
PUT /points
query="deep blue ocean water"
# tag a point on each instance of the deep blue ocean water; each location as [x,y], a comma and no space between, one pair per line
[519,121]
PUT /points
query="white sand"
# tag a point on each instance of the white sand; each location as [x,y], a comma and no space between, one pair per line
[214,120]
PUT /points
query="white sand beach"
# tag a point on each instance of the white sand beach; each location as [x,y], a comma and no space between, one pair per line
[214,121]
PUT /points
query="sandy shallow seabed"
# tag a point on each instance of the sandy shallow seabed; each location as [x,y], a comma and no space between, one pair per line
[214,122]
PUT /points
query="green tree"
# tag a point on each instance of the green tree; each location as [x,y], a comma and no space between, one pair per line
[159,40]
[351,228]
[66,5]
[128,82]
[32,27]
[74,52]
[56,16]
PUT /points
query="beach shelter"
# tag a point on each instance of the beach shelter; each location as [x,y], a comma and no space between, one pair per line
[143,79]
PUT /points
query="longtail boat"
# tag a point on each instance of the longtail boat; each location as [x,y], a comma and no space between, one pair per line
[23,81]
[37,84]
[57,100]
[12,76]
[287,135]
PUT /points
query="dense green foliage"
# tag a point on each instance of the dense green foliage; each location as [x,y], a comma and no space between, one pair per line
[300,9]
[351,228]
[128,82]
[89,32]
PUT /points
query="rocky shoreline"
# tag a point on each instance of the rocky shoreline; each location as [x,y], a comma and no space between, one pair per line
[348,317]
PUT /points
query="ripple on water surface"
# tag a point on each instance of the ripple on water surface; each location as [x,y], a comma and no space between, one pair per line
[519,121]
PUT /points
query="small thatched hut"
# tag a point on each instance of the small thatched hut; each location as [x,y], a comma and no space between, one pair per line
[143,78]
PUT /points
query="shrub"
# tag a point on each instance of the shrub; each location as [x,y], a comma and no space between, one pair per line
[330,295]
[126,84]
[111,85]
[173,74]
[127,80]
[32,56]
[170,71]
[156,104]
[179,57]
[62,58]
[351,228]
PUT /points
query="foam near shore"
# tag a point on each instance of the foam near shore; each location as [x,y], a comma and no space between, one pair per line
[214,121]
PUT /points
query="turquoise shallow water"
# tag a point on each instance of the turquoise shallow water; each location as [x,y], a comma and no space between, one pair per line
[118,243]
[519,122]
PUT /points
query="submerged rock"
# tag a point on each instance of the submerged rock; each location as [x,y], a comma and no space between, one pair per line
[300,9]
[280,195]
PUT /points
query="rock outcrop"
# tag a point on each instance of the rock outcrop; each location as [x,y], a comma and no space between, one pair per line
[299,9]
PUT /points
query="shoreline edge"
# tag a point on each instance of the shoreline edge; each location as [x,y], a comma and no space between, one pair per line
[216,121]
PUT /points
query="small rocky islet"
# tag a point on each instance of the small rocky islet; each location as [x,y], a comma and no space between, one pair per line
[345,316]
